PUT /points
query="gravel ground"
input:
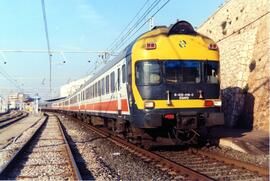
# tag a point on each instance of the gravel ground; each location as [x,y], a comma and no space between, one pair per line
[261,160]
[212,168]
[7,151]
[107,161]
[46,158]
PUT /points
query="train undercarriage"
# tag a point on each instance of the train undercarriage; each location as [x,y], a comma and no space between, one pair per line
[185,129]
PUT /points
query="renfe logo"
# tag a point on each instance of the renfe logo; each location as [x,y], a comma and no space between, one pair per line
[182,43]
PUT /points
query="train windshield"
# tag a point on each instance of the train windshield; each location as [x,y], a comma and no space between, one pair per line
[176,72]
[211,70]
[148,73]
[182,72]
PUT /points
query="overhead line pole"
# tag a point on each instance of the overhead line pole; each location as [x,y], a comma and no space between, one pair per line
[48,43]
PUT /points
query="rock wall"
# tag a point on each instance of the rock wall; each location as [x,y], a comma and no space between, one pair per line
[241,30]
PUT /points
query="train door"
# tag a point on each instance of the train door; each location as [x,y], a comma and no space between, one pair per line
[119,104]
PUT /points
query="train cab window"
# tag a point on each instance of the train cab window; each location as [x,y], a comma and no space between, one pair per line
[107,84]
[212,72]
[148,73]
[118,79]
[112,82]
[102,87]
[182,72]
[123,73]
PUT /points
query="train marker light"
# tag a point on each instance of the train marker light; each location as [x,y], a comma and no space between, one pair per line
[212,47]
[150,46]
[208,103]
[169,116]
[217,102]
[149,104]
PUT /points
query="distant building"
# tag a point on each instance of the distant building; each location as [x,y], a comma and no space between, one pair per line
[3,104]
[16,100]
[71,87]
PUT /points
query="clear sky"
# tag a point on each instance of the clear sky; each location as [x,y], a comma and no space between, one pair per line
[74,25]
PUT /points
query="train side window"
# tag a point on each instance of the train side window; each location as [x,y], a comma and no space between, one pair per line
[96,89]
[99,92]
[92,91]
[112,82]
[102,87]
[88,95]
[107,84]
[123,73]
[118,79]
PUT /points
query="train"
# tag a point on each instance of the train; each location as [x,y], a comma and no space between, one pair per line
[164,83]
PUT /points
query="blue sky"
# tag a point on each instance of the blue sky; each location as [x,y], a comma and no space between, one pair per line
[74,25]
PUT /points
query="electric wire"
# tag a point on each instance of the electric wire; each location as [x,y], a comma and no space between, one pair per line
[10,79]
[126,27]
[124,41]
[149,10]
[47,40]
[148,20]
[125,36]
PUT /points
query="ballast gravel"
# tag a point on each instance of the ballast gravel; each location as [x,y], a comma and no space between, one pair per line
[106,161]
[46,158]
[260,160]
[9,150]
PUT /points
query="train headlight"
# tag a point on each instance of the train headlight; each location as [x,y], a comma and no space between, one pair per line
[217,103]
[149,104]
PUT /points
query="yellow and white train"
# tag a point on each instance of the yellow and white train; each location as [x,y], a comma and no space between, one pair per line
[166,81]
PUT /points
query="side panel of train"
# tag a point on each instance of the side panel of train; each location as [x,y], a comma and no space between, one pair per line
[106,96]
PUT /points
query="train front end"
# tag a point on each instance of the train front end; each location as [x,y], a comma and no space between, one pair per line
[175,82]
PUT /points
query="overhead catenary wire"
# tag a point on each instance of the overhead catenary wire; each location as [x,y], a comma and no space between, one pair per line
[148,19]
[126,27]
[149,10]
[8,77]
[48,41]
[141,18]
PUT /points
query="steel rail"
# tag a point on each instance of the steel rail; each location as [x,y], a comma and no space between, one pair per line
[237,163]
[160,160]
[13,161]
[10,121]
[76,172]
[10,116]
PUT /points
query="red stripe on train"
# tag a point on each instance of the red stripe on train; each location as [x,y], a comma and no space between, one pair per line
[103,106]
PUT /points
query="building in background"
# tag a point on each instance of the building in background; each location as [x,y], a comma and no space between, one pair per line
[3,104]
[71,87]
[16,100]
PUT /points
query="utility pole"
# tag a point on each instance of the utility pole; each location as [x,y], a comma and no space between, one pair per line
[48,43]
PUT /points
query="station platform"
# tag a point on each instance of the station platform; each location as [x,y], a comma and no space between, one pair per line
[254,142]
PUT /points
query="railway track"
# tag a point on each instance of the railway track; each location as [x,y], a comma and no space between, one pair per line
[192,164]
[163,163]
[46,155]
[216,166]
[12,118]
